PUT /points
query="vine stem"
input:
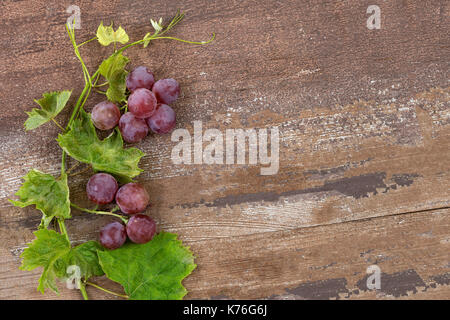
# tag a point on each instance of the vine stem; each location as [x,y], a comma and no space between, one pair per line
[101,85]
[83,291]
[187,41]
[106,290]
[108,213]
[79,172]
[84,94]
[87,41]
[58,125]
[156,37]
[99,91]
[62,228]
[73,167]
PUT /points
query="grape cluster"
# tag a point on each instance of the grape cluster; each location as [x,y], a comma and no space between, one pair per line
[148,109]
[131,198]
[147,104]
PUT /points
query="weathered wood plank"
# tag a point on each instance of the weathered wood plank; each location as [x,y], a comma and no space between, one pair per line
[363,117]
[324,262]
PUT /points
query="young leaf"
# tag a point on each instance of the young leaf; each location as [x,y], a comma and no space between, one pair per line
[157,25]
[108,155]
[107,35]
[113,69]
[44,251]
[151,271]
[50,195]
[51,104]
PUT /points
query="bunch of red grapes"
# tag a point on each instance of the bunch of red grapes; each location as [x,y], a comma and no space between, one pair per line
[148,108]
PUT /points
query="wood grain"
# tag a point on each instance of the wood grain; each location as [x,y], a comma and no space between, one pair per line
[323,262]
[364,137]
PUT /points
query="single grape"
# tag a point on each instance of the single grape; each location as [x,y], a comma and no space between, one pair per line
[132,198]
[141,228]
[163,120]
[166,90]
[140,77]
[142,103]
[101,188]
[113,235]
[132,129]
[105,115]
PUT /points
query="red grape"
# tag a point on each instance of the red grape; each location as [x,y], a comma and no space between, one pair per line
[166,90]
[142,103]
[101,188]
[163,120]
[140,77]
[141,228]
[133,129]
[113,235]
[132,198]
[105,115]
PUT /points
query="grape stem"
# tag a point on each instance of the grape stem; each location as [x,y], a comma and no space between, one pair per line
[124,107]
[106,290]
[108,213]
[156,37]
[79,172]
[73,167]
[100,91]
[58,125]
[101,85]
[188,41]
[83,291]
[84,94]
[87,41]
[62,228]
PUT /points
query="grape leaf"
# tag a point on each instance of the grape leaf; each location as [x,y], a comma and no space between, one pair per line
[151,271]
[51,105]
[113,69]
[44,251]
[85,257]
[50,195]
[107,35]
[108,155]
[52,251]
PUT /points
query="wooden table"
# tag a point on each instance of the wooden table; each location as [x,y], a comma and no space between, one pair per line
[364,122]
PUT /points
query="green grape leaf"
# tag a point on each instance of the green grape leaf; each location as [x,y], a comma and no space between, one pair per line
[115,62]
[48,247]
[151,271]
[50,195]
[82,143]
[85,257]
[51,105]
[107,35]
[113,69]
